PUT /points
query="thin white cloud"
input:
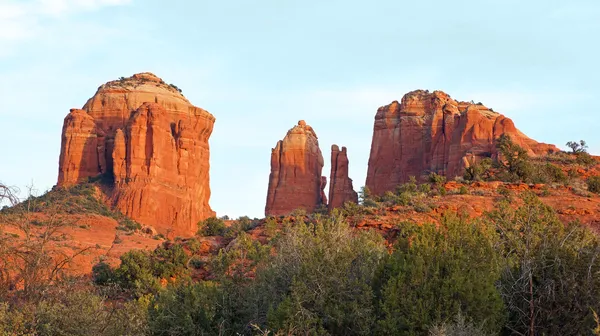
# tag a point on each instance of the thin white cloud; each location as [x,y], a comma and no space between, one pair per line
[24,20]
[61,7]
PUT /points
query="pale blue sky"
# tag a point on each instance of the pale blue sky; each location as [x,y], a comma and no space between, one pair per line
[259,66]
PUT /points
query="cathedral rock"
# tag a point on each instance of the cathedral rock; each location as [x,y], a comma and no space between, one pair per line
[340,184]
[431,132]
[295,181]
[151,143]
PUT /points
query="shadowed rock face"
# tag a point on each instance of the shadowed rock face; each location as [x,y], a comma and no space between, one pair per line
[153,142]
[431,132]
[340,184]
[295,180]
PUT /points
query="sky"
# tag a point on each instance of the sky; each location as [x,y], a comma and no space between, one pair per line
[260,66]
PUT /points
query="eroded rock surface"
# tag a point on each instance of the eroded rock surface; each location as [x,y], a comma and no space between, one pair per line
[431,132]
[340,184]
[295,181]
[147,137]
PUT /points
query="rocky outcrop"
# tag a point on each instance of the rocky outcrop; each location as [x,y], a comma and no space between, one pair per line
[295,181]
[431,132]
[340,184]
[79,150]
[148,138]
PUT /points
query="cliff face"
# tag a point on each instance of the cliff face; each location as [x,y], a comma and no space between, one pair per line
[340,184]
[431,132]
[296,166]
[152,141]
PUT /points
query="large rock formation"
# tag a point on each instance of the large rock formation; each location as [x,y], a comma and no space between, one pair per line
[431,132]
[148,138]
[295,181]
[340,184]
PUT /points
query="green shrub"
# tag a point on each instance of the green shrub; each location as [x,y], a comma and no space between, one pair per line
[364,194]
[422,207]
[593,184]
[197,262]
[186,310]
[369,203]
[459,326]
[83,313]
[513,161]
[410,186]
[436,273]
[437,179]
[478,170]
[424,188]
[505,192]
[549,269]
[102,274]
[389,198]
[140,271]
[443,191]
[211,226]
[16,322]
[463,190]
[585,159]
[554,173]
[319,281]
[271,227]
[127,224]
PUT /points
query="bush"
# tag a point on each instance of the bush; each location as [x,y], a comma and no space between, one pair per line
[128,224]
[460,326]
[83,313]
[16,322]
[271,226]
[410,186]
[554,173]
[422,207]
[513,162]
[369,203]
[436,273]
[211,226]
[437,179]
[319,281]
[102,274]
[443,191]
[463,190]
[185,310]
[478,170]
[141,271]
[593,184]
[549,270]
[585,159]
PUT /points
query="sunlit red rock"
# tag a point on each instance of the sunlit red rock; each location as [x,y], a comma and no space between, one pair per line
[153,142]
[295,181]
[340,184]
[431,132]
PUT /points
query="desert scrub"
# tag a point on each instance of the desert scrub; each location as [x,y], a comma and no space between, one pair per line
[211,226]
[593,184]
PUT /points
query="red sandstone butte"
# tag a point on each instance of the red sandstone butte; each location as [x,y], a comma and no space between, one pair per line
[295,181]
[340,184]
[431,132]
[152,141]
